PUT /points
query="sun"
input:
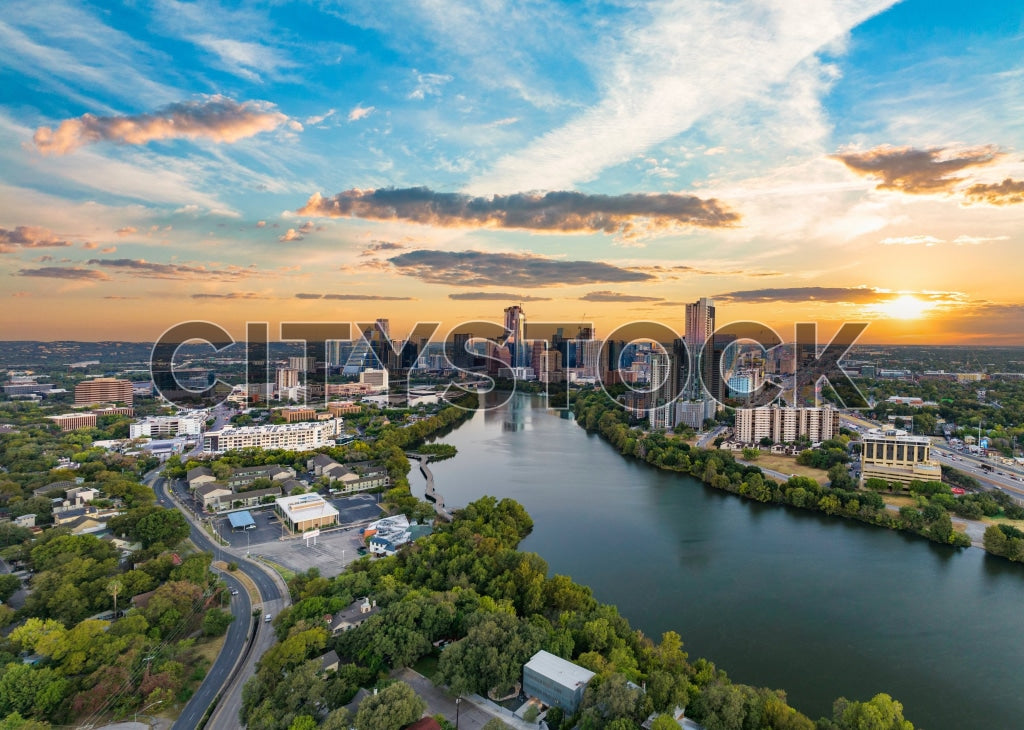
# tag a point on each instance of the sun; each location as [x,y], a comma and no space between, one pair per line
[905,306]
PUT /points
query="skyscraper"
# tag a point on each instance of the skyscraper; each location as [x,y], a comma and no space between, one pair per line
[515,329]
[700,325]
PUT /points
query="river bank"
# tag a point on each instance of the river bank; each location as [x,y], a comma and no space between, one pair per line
[778,597]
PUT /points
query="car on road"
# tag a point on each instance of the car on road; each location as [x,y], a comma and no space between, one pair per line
[268,618]
[234,591]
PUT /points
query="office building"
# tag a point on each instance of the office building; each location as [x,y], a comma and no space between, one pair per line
[74,421]
[896,456]
[374,378]
[103,390]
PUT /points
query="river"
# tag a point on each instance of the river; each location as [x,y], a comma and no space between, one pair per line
[817,606]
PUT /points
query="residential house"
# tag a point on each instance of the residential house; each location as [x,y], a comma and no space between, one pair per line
[354,615]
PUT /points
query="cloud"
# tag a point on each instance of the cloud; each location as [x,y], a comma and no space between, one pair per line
[316,119]
[360,112]
[232,295]
[376,247]
[126,231]
[214,117]
[916,171]
[149,270]
[28,237]
[429,85]
[977,240]
[606,296]
[65,272]
[611,296]
[689,61]
[486,296]
[261,224]
[290,235]
[476,268]
[120,298]
[354,297]
[806,294]
[109,249]
[911,241]
[567,211]
[1008,192]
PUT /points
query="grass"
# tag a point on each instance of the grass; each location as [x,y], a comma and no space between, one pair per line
[787,465]
[899,500]
[427,666]
[282,571]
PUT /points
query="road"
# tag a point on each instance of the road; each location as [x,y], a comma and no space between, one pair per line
[710,436]
[220,672]
[273,597]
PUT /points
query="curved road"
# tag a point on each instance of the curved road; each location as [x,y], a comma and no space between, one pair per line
[222,677]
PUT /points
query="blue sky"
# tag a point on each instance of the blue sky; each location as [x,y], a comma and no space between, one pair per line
[846,158]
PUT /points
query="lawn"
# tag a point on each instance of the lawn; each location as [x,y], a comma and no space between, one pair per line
[787,465]
[427,666]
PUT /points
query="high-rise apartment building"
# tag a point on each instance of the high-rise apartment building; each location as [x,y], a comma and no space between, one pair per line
[784,424]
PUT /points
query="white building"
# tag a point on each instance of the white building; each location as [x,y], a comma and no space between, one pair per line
[293,436]
[167,426]
[895,456]
[303,512]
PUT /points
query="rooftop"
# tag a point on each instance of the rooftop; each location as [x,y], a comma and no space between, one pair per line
[559,670]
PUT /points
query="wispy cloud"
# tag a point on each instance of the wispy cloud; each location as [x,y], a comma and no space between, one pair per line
[354,297]
[1008,192]
[151,270]
[690,60]
[232,295]
[612,296]
[565,212]
[488,296]
[477,268]
[360,112]
[29,237]
[805,294]
[428,84]
[126,231]
[215,117]
[65,272]
[910,241]
[916,171]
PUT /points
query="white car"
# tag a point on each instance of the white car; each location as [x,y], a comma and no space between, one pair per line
[268,618]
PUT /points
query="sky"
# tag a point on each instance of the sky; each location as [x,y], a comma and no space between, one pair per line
[821,161]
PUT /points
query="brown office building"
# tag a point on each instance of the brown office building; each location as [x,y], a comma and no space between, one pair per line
[103,390]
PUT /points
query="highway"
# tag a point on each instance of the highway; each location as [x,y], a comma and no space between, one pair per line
[1001,477]
[223,677]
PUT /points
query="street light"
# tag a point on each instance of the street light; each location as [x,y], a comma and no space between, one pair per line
[151,704]
[458,701]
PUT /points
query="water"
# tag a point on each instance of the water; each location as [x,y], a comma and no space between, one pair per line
[819,607]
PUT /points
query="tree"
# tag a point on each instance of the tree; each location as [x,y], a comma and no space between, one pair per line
[9,585]
[114,588]
[881,712]
[750,453]
[216,622]
[664,722]
[393,707]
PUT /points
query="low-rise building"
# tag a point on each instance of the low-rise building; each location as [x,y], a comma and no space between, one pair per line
[167,426]
[555,681]
[303,512]
[291,436]
[74,421]
[348,618]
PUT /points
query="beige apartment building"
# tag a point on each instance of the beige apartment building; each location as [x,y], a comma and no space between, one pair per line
[103,390]
[783,424]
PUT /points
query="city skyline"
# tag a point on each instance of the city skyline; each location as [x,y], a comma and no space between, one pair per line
[823,161]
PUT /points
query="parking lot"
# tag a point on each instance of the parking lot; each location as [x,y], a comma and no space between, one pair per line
[268,529]
[357,508]
[329,553]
